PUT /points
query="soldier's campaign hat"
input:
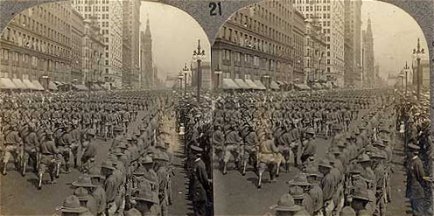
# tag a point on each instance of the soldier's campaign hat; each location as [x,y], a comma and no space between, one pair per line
[117,152]
[324,163]
[413,147]
[364,158]
[82,194]
[379,143]
[296,192]
[83,181]
[146,160]
[286,204]
[348,211]
[140,171]
[133,212]
[196,149]
[108,165]
[299,180]
[95,172]
[72,205]
[161,157]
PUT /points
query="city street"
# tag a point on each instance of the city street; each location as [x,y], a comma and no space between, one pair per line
[235,194]
[19,195]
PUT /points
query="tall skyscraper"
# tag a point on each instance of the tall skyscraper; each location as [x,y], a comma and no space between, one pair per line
[131,25]
[110,18]
[352,54]
[332,17]
[147,69]
[368,62]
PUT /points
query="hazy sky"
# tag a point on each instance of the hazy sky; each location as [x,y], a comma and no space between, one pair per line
[174,35]
[395,35]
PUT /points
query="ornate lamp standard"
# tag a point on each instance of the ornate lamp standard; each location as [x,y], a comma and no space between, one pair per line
[218,72]
[417,53]
[406,69]
[267,84]
[198,55]
[180,76]
[185,70]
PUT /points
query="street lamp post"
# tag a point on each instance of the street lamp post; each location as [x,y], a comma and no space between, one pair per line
[417,53]
[218,72]
[180,76]
[406,69]
[185,70]
[198,55]
[267,82]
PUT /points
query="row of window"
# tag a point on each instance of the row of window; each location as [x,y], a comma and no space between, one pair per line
[310,1]
[264,28]
[28,61]
[246,40]
[249,60]
[30,42]
[42,29]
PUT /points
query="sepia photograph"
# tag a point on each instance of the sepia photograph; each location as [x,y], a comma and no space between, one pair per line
[158,108]
[322,109]
[89,114]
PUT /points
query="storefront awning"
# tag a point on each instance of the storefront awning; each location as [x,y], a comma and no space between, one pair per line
[260,85]
[52,86]
[251,84]
[241,84]
[37,85]
[6,83]
[29,84]
[19,84]
[229,84]
[301,86]
[274,85]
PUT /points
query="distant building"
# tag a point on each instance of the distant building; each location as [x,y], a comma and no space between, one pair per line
[109,14]
[146,61]
[332,17]
[93,52]
[130,55]
[368,57]
[257,41]
[77,35]
[298,34]
[315,51]
[37,43]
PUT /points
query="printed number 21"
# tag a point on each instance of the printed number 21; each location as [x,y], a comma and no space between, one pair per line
[215,6]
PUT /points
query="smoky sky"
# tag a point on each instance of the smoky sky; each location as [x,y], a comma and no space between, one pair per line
[395,35]
[175,35]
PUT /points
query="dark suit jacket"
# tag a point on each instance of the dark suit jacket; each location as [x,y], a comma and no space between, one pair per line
[200,183]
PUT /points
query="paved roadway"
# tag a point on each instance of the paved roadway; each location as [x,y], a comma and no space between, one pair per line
[19,195]
[235,194]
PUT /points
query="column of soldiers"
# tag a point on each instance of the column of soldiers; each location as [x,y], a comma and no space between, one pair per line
[196,118]
[135,179]
[414,125]
[268,131]
[32,124]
